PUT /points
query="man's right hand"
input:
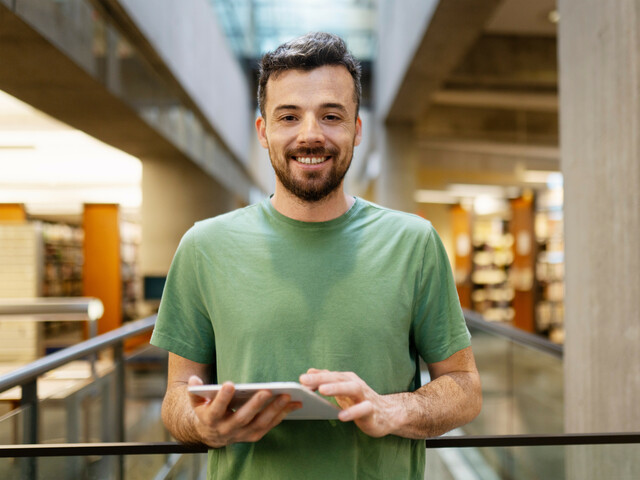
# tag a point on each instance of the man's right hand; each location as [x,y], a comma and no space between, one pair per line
[219,426]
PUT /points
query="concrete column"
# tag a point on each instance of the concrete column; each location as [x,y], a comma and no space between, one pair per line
[396,183]
[175,194]
[599,54]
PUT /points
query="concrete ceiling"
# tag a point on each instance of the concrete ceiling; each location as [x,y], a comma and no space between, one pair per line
[524,17]
[485,76]
[491,114]
[51,82]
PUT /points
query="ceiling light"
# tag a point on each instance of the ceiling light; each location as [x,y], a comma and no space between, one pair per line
[435,196]
[554,16]
[551,179]
[488,205]
[536,176]
[475,190]
[52,168]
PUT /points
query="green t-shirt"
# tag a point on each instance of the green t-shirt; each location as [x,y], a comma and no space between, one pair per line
[266,297]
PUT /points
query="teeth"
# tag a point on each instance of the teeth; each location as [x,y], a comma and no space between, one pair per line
[311,160]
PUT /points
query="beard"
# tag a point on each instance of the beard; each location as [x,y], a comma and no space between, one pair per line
[315,185]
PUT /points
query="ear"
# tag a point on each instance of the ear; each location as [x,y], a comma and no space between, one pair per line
[261,129]
[358,131]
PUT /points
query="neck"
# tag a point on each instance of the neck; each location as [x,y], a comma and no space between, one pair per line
[332,206]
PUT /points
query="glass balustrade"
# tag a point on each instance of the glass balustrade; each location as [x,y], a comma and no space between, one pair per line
[522,394]
[73,410]
[522,387]
[588,462]
[134,467]
[591,462]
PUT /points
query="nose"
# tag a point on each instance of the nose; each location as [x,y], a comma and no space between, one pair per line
[310,133]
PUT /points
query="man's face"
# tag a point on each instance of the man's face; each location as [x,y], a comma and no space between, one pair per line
[310,129]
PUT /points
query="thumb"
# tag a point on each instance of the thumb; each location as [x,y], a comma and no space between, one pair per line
[194,398]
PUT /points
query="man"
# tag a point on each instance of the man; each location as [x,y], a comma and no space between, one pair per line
[316,286]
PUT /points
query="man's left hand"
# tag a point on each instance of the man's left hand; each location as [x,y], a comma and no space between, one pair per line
[374,414]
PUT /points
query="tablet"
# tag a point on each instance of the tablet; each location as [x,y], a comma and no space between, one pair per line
[314,406]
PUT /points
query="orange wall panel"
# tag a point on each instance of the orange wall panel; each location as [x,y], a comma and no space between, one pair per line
[524,258]
[12,212]
[461,225]
[101,269]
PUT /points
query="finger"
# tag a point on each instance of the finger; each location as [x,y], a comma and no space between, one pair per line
[316,370]
[291,407]
[342,389]
[257,430]
[220,403]
[275,412]
[359,410]
[306,378]
[313,380]
[278,404]
[194,398]
[257,403]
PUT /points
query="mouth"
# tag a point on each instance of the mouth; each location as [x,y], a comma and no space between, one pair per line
[311,160]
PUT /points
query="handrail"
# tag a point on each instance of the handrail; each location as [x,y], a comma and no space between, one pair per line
[89,307]
[31,371]
[49,309]
[475,320]
[41,366]
[27,378]
[480,441]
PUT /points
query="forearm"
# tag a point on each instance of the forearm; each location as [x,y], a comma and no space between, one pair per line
[178,416]
[443,404]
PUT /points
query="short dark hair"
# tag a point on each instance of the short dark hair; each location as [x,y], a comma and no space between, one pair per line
[310,51]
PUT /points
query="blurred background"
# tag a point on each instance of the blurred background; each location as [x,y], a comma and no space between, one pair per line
[122,122]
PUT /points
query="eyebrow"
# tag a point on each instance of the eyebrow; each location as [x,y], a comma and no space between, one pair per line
[286,107]
[337,106]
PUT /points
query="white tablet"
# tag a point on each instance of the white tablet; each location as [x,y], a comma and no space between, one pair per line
[314,406]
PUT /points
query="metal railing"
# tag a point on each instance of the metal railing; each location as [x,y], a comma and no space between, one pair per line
[478,441]
[51,309]
[537,342]
[26,377]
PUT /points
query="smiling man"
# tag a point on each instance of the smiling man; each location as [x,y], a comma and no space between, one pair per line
[316,286]
[310,134]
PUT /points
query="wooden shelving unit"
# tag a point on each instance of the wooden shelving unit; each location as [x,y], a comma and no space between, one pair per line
[549,232]
[492,258]
[515,268]
[63,259]
[20,277]
[130,237]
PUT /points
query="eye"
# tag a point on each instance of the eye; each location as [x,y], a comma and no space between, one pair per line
[288,118]
[331,117]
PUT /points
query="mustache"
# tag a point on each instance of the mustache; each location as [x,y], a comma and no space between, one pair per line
[312,152]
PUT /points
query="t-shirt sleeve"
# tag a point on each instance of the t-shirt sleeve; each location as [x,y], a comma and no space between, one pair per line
[438,328]
[183,326]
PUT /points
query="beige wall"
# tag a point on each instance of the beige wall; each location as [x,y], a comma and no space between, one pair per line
[440,217]
[396,183]
[176,194]
[192,44]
